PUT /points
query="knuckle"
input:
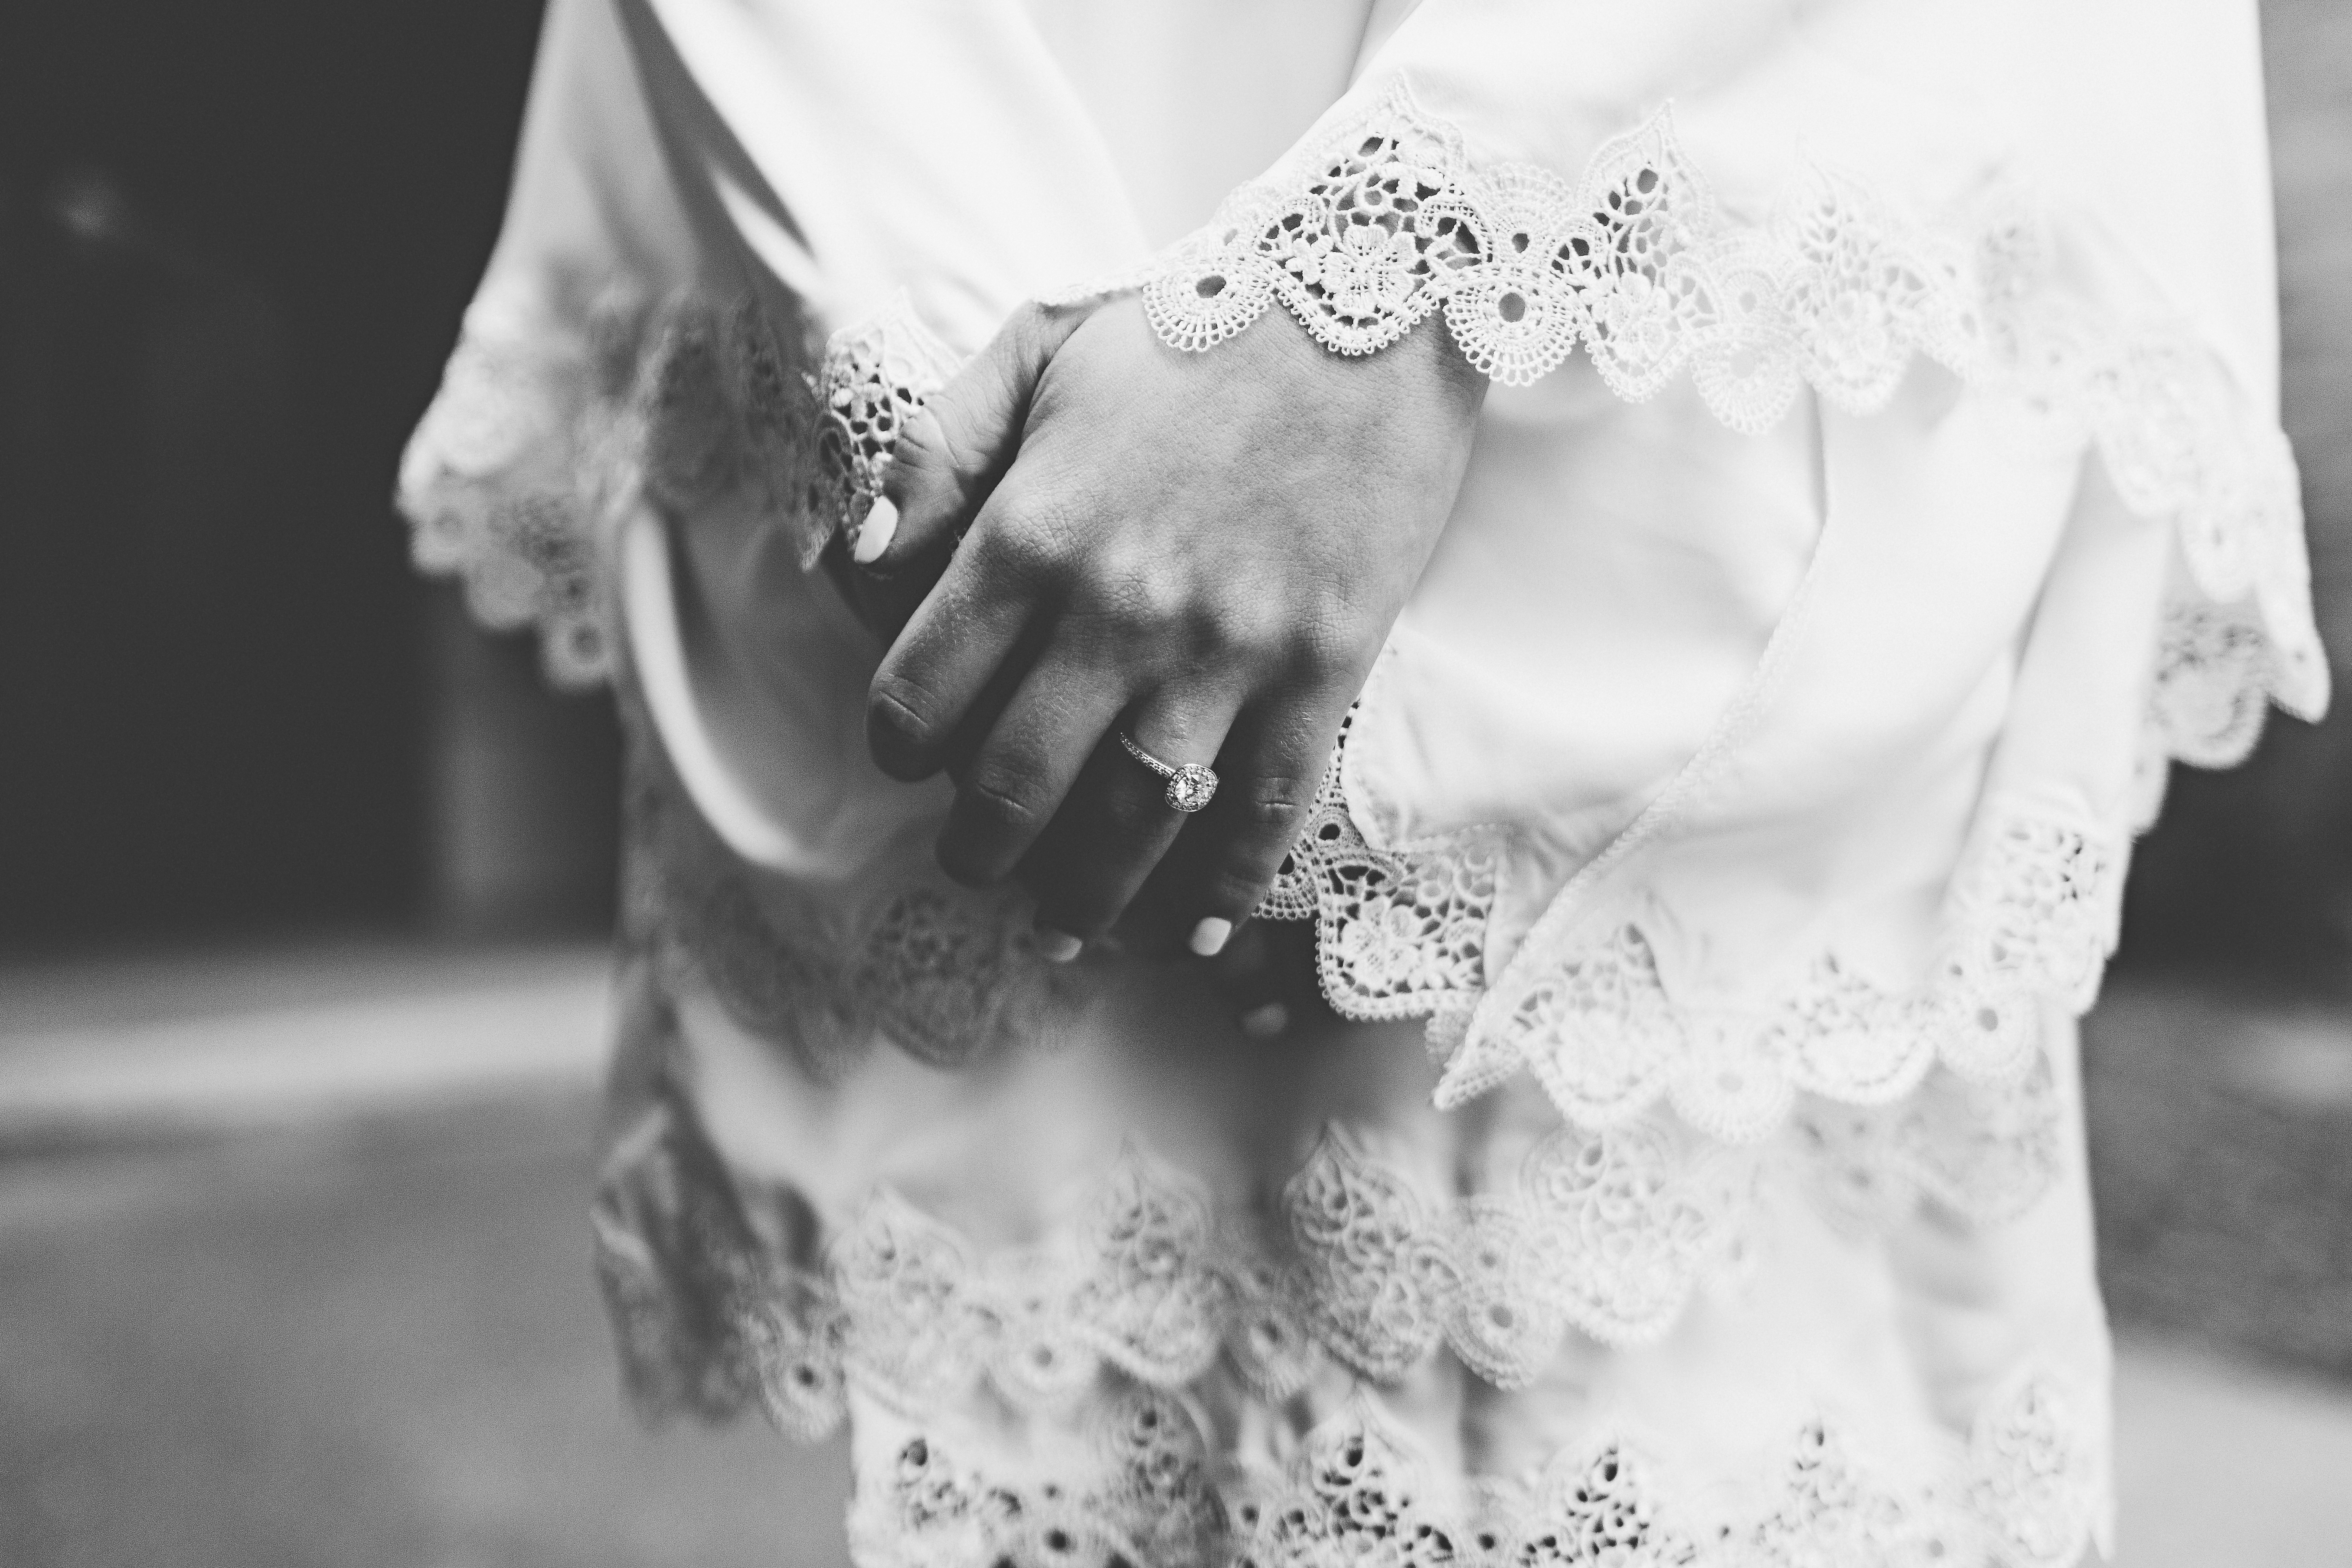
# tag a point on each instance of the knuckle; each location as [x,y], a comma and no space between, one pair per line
[996,812]
[1323,648]
[1249,627]
[898,726]
[1029,326]
[1032,541]
[1002,799]
[1161,606]
[1276,806]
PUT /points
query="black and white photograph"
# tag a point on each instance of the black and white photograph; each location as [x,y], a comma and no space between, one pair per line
[1176,784]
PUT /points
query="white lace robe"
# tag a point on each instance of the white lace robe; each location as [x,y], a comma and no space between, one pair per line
[1881,485]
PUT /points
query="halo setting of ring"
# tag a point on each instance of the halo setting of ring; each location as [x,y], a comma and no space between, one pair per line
[1190,786]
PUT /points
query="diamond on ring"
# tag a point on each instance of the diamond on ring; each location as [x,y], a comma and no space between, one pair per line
[1190,785]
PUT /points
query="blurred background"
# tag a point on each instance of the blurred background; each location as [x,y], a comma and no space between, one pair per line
[304,882]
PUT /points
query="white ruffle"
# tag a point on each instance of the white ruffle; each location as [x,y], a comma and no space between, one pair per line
[2021,1492]
[1152,1292]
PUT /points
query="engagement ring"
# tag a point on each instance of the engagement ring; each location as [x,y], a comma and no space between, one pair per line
[1190,786]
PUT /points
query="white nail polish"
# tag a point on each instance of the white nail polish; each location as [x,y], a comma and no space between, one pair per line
[1209,938]
[1264,1023]
[874,534]
[1057,946]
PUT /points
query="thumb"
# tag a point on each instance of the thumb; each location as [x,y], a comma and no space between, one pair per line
[953,449]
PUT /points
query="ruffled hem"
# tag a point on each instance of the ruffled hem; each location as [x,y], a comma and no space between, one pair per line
[723,1301]
[2021,1492]
[539,445]
[1098,1340]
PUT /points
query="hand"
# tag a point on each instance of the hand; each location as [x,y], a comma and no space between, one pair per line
[1205,552]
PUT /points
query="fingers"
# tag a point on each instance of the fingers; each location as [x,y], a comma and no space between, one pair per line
[1018,777]
[1115,822]
[958,613]
[928,688]
[1274,762]
[956,446]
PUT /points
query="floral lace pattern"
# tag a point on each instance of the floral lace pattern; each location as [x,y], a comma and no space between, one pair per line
[1359,1264]
[1608,1232]
[524,544]
[1142,1498]
[875,375]
[517,476]
[2030,915]
[1635,261]
[1399,934]
[2019,1493]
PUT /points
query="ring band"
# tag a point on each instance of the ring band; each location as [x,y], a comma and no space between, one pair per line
[1190,785]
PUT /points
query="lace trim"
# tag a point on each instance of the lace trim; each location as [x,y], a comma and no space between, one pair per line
[1639,265]
[2023,1492]
[1636,262]
[876,376]
[949,976]
[2213,667]
[518,475]
[1399,933]
[1390,223]
[2031,913]
[495,500]
[1609,1233]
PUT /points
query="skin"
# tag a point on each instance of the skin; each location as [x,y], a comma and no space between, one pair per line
[1096,533]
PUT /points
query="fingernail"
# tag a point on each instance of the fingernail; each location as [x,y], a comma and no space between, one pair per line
[1057,946]
[874,534]
[1265,1021]
[1209,938]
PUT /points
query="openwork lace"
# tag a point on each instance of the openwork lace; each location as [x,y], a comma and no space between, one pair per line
[2030,915]
[875,375]
[521,470]
[517,478]
[1399,933]
[1390,222]
[496,499]
[1359,1264]
[2021,1492]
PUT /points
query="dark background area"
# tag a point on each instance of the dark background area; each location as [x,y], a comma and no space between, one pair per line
[235,241]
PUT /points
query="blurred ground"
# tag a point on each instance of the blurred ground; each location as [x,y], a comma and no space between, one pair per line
[301,1280]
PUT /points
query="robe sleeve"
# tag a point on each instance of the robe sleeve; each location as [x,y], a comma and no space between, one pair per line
[2064,205]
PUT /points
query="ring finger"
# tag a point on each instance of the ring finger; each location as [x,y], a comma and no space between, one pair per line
[1119,819]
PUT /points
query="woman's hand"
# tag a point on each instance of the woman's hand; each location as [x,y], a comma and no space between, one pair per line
[1204,551]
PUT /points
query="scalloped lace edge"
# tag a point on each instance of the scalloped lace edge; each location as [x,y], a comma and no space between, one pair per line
[2025,1489]
[1387,222]
[1611,1234]
[1151,1297]
[2030,915]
